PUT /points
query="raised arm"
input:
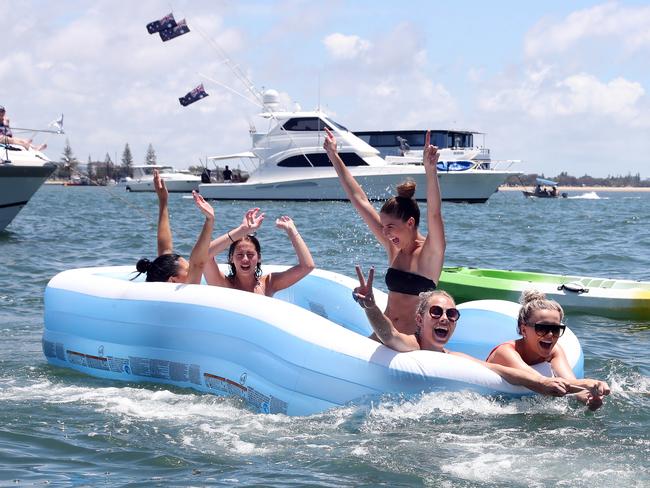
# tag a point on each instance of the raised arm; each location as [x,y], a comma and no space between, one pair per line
[433,252]
[284,279]
[250,223]
[355,193]
[199,256]
[382,325]
[165,242]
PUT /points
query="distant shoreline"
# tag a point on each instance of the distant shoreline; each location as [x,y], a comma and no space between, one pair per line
[582,188]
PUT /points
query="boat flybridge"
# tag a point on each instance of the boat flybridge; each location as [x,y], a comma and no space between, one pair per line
[288,162]
[22,172]
[176,181]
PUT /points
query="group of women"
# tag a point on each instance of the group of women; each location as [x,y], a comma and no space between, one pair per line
[417,316]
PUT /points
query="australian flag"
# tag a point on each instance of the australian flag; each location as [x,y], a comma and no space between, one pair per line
[167,22]
[197,94]
[178,30]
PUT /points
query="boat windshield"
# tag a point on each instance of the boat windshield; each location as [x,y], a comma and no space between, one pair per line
[303,124]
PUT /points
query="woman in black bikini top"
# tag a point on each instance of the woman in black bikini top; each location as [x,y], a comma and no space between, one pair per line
[415,260]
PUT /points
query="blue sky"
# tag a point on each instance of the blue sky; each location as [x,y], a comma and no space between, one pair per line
[560,85]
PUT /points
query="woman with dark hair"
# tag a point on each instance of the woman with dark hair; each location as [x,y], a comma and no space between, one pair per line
[245,258]
[415,261]
[169,266]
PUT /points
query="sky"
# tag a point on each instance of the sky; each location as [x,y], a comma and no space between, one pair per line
[560,86]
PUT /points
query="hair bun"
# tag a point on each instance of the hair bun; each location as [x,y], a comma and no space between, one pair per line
[143,265]
[531,295]
[406,189]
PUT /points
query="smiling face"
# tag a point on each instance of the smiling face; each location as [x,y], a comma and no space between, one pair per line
[245,258]
[534,344]
[435,332]
[400,233]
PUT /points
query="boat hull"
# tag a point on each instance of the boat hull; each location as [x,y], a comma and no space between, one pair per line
[473,186]
[302,352]
[621,299]
[18,182]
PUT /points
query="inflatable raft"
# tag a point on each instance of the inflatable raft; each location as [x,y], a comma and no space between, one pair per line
[622,299]
[301,352]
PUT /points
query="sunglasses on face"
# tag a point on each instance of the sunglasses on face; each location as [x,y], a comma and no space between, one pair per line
[436,311]
[541,329]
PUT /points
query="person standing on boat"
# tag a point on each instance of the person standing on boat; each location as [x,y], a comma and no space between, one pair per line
[227,175]
[245,258]
[436,318]
[540,325]
[415,261]
[6,136]
[169,266]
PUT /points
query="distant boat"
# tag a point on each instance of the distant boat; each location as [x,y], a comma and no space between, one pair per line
[22,172]
[176,181]
[542,190]
[289,163]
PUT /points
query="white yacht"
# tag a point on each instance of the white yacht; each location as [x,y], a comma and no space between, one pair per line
[22,172]
[176,181]
[288,162]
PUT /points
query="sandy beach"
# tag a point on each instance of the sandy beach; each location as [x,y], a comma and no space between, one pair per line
[583,188]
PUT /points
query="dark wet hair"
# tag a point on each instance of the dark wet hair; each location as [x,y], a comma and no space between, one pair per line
[403,206]
[161,269]
[258,249]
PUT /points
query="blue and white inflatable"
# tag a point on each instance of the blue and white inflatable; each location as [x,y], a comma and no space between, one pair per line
[301,352]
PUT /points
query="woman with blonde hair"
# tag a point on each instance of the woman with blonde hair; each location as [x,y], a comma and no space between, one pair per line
[540,324]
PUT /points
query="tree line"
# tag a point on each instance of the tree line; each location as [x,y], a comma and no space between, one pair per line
[100,171]
[565,179]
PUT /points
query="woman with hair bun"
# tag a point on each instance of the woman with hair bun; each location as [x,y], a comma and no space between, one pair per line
[415,261]
[540,325]
[169,266]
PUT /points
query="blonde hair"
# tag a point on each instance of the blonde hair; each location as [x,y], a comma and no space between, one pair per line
[426,295]
[533,300]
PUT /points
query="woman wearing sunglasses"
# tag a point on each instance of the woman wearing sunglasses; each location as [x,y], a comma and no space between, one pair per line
[435,321]
[414,260]
[540,325]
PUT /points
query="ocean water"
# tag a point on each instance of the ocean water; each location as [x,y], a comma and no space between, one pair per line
[62,428]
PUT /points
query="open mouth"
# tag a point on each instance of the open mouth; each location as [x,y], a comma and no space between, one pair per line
[440,332]
[395,240]
[546,345]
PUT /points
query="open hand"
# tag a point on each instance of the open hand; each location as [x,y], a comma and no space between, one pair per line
[362,294]
[286,223]
[205,208]
[252,220]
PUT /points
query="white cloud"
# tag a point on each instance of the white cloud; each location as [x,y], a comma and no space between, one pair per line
[341,46]
[628,25]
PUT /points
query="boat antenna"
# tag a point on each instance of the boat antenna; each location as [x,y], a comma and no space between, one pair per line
[248,84]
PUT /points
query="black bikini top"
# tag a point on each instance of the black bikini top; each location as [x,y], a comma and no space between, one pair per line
[408,283]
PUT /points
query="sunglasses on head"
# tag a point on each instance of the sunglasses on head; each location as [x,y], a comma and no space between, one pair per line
[541,329]
[436,311]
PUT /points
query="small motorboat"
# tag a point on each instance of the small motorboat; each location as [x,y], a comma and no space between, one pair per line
[544,189]
[301,352]
[622,299]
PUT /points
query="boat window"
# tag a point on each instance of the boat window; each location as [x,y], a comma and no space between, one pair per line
[305,124]
[338,126]
[320,160]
